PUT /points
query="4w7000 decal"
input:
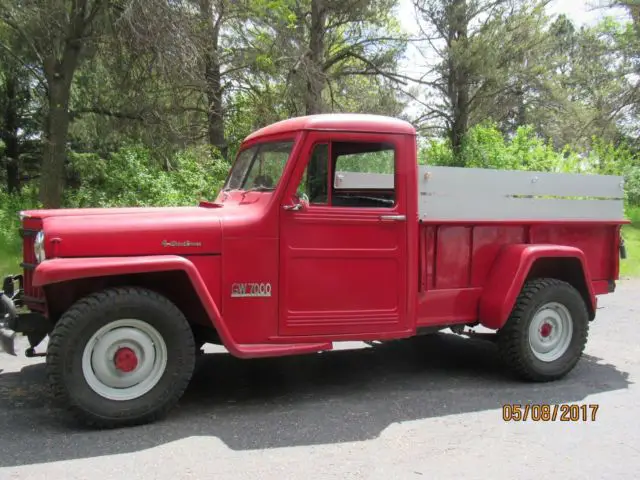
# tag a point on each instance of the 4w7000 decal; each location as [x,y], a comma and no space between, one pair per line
[251,290]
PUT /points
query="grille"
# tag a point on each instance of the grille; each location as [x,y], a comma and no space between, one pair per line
[33,296]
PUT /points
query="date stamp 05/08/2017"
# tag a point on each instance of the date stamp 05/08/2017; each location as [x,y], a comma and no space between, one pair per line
[541,412]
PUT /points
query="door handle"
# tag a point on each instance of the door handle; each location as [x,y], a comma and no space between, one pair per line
[393,218]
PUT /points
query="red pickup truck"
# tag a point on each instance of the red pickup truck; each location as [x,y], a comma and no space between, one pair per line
[326,230]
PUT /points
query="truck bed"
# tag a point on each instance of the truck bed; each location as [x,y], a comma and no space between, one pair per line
[466,215]
[456,258]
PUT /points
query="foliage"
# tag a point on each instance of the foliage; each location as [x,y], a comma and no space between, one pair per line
[10,241]
[131,178]
[630,267]
[485,146]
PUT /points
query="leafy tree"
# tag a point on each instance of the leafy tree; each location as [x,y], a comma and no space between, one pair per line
[61,35]
[319,47]
[484,51]
[17,113]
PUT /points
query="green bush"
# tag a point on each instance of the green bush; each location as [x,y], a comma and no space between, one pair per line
[10,241]
[131,178]
[486,147]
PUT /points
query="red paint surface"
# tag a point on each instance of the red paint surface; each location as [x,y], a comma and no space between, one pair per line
[453,249]
[133,233]
[342,269]
[487,242]
[338,123]
[450,306]
[510,272]
[592,240]
[336,273]
[125,360]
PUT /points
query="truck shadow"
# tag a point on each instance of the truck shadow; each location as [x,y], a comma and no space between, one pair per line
[339,396]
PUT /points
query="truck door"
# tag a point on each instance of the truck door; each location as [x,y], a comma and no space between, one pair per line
[343,267]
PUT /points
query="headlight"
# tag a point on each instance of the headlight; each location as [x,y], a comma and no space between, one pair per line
[38,247]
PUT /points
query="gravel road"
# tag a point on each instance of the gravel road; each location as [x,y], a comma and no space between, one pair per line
[422,408]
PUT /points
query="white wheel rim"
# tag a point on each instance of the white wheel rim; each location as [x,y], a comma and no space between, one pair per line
[124,359]
[550,332]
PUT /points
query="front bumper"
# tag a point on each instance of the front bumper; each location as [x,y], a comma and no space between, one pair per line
[10,299]
[7,334]
[32,324]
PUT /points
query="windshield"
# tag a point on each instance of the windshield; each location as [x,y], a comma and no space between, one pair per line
[259,167]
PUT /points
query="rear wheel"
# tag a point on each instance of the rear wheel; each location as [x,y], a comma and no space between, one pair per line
[121,357]
[545,335]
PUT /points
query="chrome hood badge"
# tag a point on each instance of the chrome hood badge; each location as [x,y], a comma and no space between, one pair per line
[175,243]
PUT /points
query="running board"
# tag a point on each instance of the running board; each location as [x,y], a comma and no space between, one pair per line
[277,350]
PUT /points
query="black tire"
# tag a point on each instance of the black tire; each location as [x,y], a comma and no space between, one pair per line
[513,338]
[87,316]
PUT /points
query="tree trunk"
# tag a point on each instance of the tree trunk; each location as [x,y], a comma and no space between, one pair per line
[314,70]
[213,76]
[215,118]
[458,81]
[521,120]
[55,144]
[59,74]
[10,135]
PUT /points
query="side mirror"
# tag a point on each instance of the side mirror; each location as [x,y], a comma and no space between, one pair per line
[294,207]
[299,202]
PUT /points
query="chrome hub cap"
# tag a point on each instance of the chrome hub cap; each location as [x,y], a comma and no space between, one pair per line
[124,359]
[550,332]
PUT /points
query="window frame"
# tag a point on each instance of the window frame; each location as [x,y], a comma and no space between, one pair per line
[258,147]
[390,146]
[310,152]
[393,142]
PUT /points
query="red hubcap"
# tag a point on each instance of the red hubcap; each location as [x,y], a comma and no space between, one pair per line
[545,330]
[125,359]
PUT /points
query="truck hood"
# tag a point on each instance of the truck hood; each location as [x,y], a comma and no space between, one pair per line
[130,231]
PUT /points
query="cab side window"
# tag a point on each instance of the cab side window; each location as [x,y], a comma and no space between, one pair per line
[364,174]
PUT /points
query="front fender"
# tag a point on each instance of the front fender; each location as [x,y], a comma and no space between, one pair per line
[65,269]
[509,273]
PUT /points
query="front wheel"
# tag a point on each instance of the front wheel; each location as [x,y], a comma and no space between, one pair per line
[121,357]
[545,335]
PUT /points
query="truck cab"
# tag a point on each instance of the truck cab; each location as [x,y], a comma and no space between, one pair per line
[326,230]
[335,261]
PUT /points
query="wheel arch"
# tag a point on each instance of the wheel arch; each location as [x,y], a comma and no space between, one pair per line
[516,264]
[65,280]
[567,269]
[175,285]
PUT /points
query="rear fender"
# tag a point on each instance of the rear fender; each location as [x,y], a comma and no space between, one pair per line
[509,273]
[66,269]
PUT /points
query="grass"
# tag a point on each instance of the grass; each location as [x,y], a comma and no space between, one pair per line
[630,267]
[10,241]
[10,244]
